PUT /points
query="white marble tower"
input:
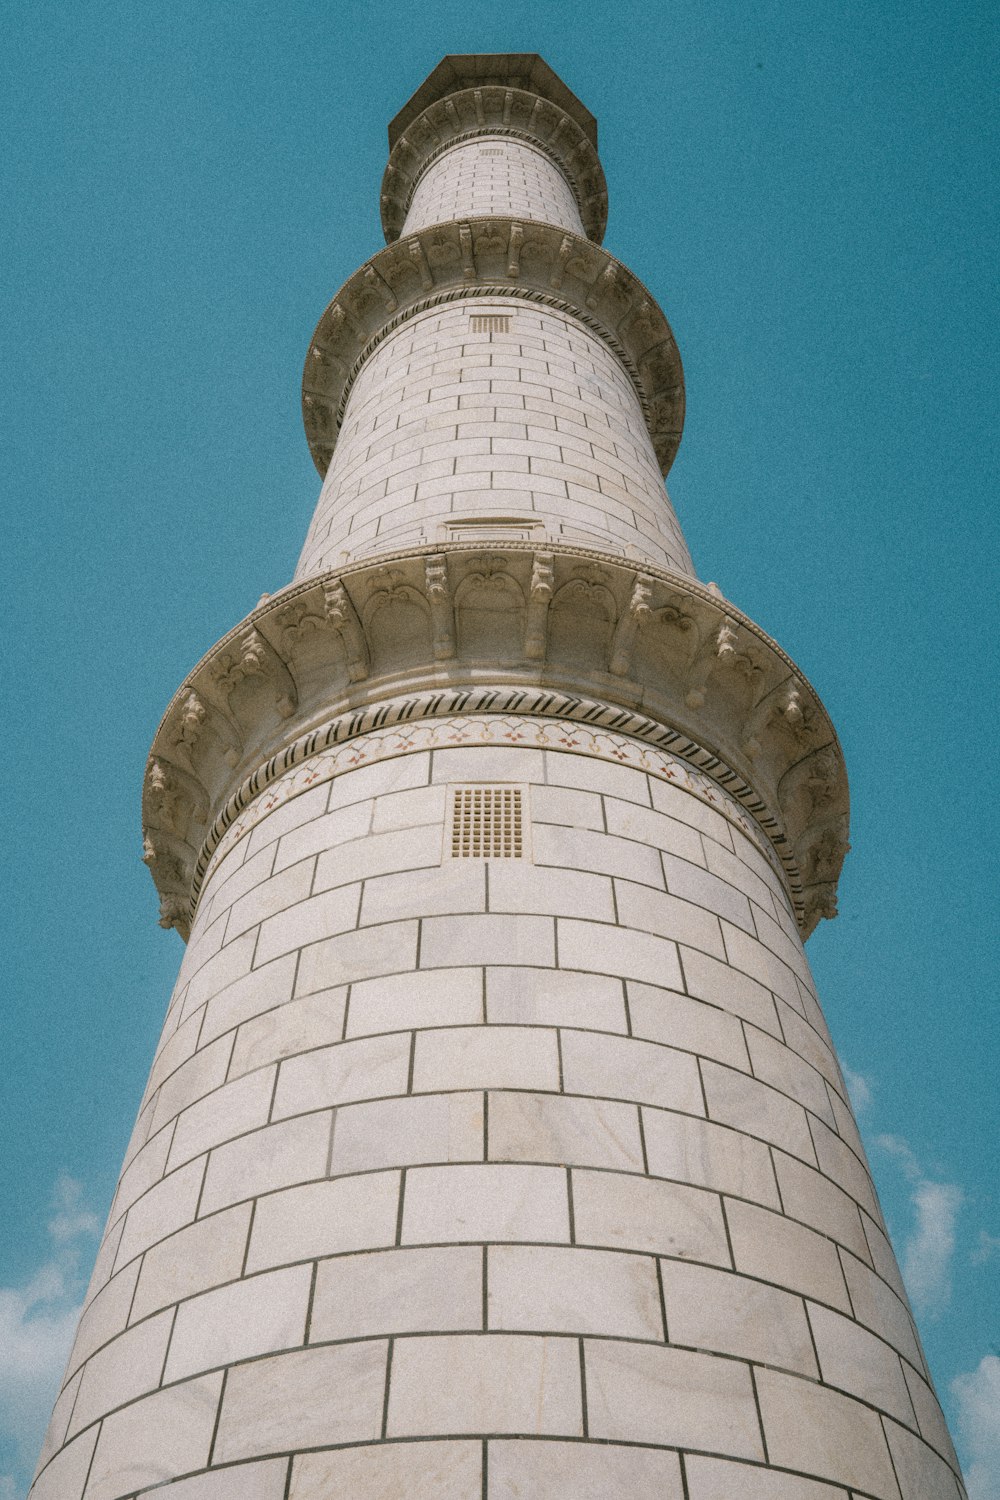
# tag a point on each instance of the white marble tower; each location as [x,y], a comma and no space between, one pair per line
[495,1145]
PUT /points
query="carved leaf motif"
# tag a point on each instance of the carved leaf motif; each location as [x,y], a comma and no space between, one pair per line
[299,620]
[174,910]
[189,724]
[164,794]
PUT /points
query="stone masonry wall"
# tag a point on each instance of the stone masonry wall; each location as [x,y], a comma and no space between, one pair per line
[493,175]
[459,431]
[446,1165]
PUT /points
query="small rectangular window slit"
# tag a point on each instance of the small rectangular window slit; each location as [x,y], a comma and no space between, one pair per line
[486,822]
[490,322]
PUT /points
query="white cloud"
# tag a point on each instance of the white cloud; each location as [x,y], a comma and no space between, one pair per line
[859,1088]
[930,1246]
[987,1246]
[37,1323]
[977,1394]
[70,1218]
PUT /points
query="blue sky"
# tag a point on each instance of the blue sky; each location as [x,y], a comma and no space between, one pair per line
[808,187]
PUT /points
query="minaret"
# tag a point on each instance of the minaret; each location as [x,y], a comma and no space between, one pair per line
[495,1145]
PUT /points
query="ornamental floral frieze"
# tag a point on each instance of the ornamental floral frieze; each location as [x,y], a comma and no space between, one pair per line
[561,622]
[494,257]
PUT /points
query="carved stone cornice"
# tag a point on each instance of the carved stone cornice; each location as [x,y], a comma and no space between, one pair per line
[648,647]
[493,258]
[495,111]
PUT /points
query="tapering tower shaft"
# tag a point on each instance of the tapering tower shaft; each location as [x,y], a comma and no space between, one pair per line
[495,1144]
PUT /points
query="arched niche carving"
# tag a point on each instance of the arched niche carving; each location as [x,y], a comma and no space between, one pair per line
[490,611]
[582,619]
[398,625]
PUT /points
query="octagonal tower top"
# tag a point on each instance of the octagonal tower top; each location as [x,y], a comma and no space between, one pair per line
[512,70]
[500,95]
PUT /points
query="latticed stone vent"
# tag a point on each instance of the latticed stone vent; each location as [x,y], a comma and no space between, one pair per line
[491,151]
[486,822]
[490,322]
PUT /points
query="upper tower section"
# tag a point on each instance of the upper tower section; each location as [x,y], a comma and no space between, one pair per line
[488,134]
[493,372]
[493,401]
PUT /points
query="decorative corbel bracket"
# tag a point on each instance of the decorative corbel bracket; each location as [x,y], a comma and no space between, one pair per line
[539,598]
[252,656]
[638,611]
[343,617]
[439,597]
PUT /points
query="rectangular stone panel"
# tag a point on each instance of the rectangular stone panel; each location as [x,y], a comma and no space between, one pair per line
[779,1250]
[519,886]
[644,1394]
[482,1057]
[431,997]
[104,1316]
[625,1068]
[166,1207]
[638,1213]
[784,1069]
[258,1315]
[922,1474]
[129,1366]
[708,979]
[230,1110]
[561,1289]
[813,1198]
[745,1104]
[305,1399]
[205,1254]
[467,1203]
[324,1218]
[340,826]
[667,916]
[657,830]
[878,1307]
[322,916]
[261,990]
[455,886]
[619,951]
[293,1027]
[694,883]
[167,1433]
[662,1015]
[439,1289]
[710,1156]
[369,1068]
[275,1157]
[487,939]
[391,1471]
[599,853]
[582,1471]
[263,1481]
[408,1132]
[377,854]
[721,1479]
[281,891]
[730,1314]
[564,1130]
[857,1362]
[65,1475]
[357,955]
[554,997]
[485,1383]
[820,1432]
